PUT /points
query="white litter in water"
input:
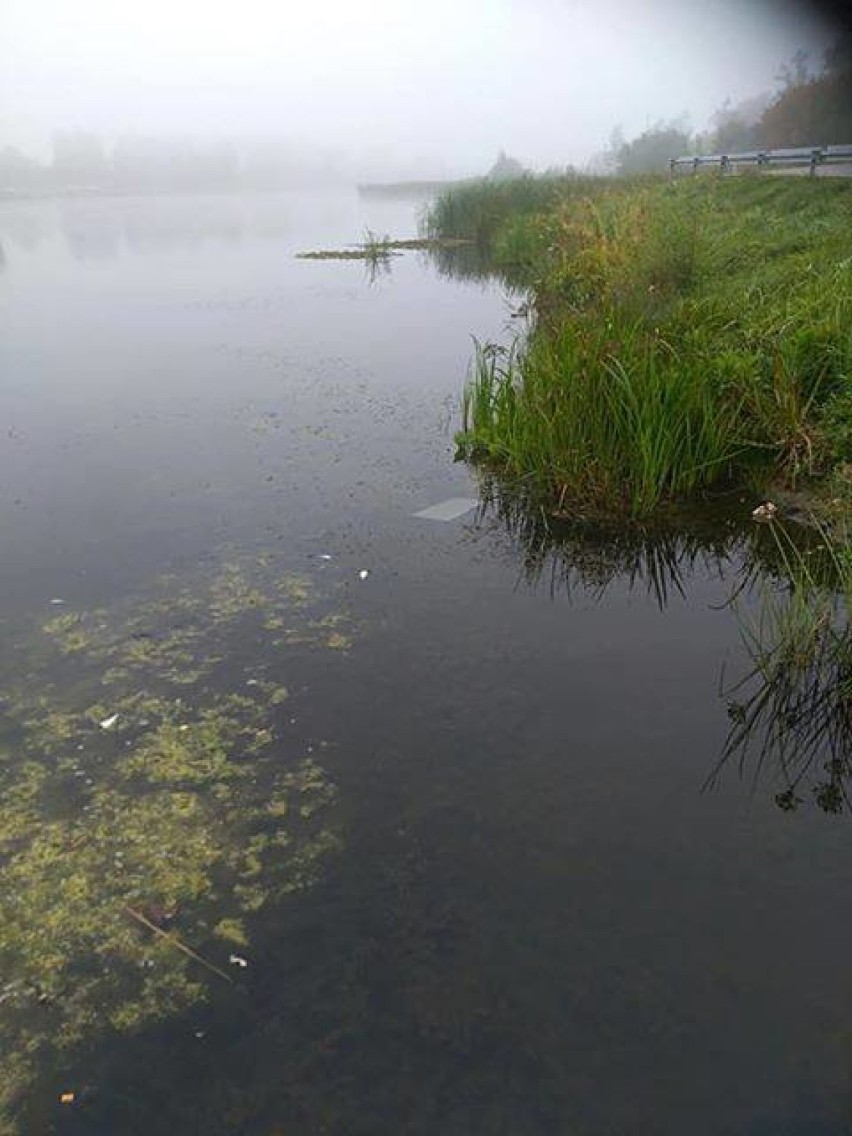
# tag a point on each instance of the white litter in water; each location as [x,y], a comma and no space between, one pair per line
[449,510]
[363,574]
[324,556]
[57,602]
[108,723]
[237,960]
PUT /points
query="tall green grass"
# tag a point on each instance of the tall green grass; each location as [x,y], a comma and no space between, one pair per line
[476,210]
[592,428]
[685,335]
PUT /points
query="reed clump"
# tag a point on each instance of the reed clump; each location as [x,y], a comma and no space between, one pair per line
[684,335]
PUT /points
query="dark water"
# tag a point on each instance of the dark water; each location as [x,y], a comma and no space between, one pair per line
[537,922]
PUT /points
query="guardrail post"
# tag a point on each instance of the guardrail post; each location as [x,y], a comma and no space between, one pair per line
[724,164]
[816,158]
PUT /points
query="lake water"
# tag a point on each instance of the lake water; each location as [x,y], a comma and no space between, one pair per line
[533,917]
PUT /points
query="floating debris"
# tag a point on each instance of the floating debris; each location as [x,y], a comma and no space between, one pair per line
[108,723]
[67,1098]
[363,574]
[237,960]
[449,510]
[764,512]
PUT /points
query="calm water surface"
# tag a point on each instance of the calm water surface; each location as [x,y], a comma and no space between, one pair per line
[536,921]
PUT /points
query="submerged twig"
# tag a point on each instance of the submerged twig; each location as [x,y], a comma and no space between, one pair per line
[175,942]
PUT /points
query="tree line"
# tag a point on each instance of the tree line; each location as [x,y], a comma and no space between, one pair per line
[811,106]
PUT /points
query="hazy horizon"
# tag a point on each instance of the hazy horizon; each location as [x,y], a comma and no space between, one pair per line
[390,89]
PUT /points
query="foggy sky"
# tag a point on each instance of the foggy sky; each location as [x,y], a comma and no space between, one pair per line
[403,88]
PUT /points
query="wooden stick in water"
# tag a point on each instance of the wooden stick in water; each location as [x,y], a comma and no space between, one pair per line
[175,942]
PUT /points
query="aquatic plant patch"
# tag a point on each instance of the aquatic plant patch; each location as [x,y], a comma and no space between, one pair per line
[384,246]
[151,804]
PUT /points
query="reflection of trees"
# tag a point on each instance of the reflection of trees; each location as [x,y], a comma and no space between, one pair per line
[178,223]
[23,227]
[91,231]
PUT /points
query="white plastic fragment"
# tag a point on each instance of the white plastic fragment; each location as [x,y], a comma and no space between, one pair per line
[56,602]
[363,574]
[764,512]
[324,556]
[108,723]
[449,510]
[237,960]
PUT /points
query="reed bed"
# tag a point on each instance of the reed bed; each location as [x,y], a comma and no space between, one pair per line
[684,336]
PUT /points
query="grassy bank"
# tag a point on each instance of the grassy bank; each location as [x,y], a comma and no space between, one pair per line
[686,336]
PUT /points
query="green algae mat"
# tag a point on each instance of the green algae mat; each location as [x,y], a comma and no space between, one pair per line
[150,804]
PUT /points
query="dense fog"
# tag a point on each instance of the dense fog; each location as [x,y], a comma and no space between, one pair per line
[108,95]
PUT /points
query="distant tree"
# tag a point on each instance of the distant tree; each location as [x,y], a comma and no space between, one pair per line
[79,158]
[605,163]
[146,162]
[505,168]
[735,127]
[18,173]
[812,109]
[796,72]
[838,57]
[567,171]
[651,151]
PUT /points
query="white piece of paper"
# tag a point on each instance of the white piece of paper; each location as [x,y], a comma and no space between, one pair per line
[448,510]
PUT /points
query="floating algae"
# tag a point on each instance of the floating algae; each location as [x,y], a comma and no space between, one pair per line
[134,858]
[384,247]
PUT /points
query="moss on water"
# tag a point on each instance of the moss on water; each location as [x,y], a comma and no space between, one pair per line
[148,806]
[384,247]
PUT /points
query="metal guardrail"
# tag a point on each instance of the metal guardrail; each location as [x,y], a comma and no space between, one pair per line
[811,156]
